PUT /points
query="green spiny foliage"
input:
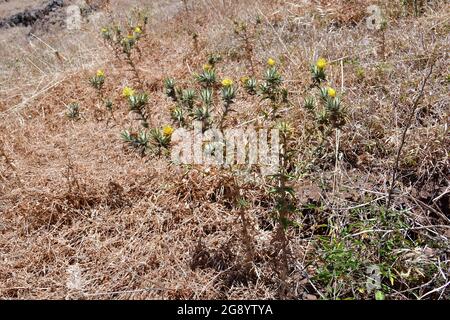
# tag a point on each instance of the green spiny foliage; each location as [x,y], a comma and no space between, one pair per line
[188,97]
[207,78]
[137,140]
[318,72]
[73,111]
[98,80]
[169,88]
[160,140]
[206,95]
[138,104]
[250,85]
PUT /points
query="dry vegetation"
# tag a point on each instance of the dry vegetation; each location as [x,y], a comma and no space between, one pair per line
[84,217]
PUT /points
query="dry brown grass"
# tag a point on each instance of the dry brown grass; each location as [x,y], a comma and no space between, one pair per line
[82,217]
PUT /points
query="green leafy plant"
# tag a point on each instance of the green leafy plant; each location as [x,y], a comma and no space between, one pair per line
[169,89]
[160,139]
[228,93]
[318,71]
[73,111]
[137,103]
[98,80]
[188,97]
[250,85]
[177,114]
[207,78]
[270,87]
[137,140]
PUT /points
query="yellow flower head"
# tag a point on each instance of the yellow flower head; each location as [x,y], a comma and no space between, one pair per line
[104,30]
[331,92]
[244,80]
[321,63]
[207,67]
[127,92]
[138,30]
[100,73]
[271,62]
[167,130]
[130,37]
[227,82]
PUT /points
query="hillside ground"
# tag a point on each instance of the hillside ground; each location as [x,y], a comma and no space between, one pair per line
[84,217]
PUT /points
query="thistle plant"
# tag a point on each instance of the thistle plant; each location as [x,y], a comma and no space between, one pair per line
[332,113]
[329,113]
[272,78]
[169,89]
[188,98]
[318,71]
[160,139]
[109,105]
[310,104]
[137,140]
[177,115]
[228,93]
[202,114]
[137,104]
[206,96]
[98,80]
[73,111]
[323,92]
[197,103]
[207,78]
[284,207]
[330,117]
[270,87]
[155,140]
[249,84]
[336,114]
[124,41]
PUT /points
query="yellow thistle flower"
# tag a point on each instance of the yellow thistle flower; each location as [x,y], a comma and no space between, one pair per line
[331,92]
[271,62]
[167,130]
[127,92]
[104,30]
[227,82]
[130,37]
[207,67]
[138,30]
[321,63]
[244,79]
[100,73]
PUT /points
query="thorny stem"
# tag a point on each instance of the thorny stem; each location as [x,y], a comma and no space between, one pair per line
[281,233]
[224,114]
[100,97]
[405,130]
[134,69]
[336,160]
[247,241]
